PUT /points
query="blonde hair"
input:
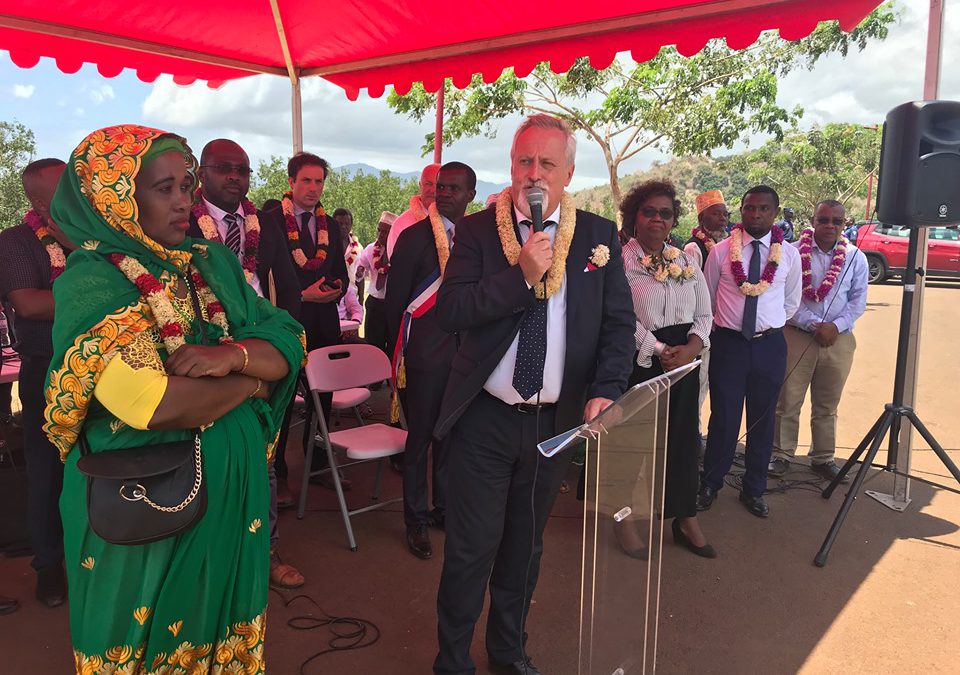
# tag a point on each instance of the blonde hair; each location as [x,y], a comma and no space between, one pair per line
[552,123]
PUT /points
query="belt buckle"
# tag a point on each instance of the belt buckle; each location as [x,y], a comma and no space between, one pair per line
[526,408]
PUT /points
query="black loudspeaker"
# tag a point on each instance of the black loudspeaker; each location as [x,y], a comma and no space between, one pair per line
[919,182]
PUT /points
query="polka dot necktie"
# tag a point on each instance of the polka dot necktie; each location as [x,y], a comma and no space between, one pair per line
[233,232]
[531,349]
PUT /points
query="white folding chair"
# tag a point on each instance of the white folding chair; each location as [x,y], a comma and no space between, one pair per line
[337,368]
[350,399]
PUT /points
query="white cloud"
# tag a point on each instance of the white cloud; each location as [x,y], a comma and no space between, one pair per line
[79,112]
[23,90]
[101,93]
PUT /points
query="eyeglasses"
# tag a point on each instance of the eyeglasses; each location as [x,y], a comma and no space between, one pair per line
[227,169]
[650,212]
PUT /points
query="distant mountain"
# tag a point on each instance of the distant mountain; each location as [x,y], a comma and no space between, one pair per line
[484,188]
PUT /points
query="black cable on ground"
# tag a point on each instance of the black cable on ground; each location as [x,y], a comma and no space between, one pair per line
[347,633]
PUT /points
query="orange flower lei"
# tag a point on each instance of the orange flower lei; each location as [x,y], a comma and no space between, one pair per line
[293,235]
[439,237]
[58,260]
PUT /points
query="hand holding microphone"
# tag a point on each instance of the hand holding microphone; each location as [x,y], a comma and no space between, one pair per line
[536,256]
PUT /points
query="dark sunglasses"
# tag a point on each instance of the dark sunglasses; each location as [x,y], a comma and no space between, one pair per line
[227,169]
[650,212]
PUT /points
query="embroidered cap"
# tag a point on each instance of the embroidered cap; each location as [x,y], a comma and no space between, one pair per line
[387,217]
[708,199]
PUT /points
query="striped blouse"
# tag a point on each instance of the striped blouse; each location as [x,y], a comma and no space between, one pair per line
[660,304]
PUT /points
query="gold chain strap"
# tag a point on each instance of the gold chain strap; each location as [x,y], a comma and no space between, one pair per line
[140,492]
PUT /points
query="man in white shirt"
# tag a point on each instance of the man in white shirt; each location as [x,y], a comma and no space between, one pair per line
[375,266]
[418,205]
[754,281]
[820,341]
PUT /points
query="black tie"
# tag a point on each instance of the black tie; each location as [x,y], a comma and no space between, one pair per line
[233,232]
[306,238]
[531,349]
[749,325]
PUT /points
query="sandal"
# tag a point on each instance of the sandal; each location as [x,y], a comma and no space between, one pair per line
[283,575]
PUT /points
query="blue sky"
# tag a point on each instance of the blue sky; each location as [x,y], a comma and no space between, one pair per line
[61,109]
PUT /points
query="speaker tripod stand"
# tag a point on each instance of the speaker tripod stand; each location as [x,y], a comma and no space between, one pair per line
[891,420]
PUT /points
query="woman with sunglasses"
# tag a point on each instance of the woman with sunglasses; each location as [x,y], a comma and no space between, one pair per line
[674,316]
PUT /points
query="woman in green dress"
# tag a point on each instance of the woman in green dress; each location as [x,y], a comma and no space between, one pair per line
[130,369]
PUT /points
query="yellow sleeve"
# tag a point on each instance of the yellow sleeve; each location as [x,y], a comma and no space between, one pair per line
[133,383]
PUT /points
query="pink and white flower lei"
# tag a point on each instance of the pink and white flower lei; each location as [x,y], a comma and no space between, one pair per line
[58,259]
[769,270]
[251,232]
[171,332]
[807,243]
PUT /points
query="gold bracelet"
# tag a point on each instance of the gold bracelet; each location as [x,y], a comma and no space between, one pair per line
[246,356]
[257,390]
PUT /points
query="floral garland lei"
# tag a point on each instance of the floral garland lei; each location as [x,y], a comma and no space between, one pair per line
[769,270]
[439,237]
[251,230]
[701,235]
[159,301]
[662,266]
[353,250]
[293,235]
[830,278]
[561,244]
[58,259]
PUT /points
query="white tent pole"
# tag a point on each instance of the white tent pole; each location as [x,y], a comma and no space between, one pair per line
[438,129]
[931,89]
[296,105]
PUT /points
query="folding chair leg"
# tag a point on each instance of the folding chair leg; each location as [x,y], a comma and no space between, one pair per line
[335,472]
[376,484]
[356,412]
[307,466]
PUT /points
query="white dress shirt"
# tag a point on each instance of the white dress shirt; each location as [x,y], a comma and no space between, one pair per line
[500,382]
[371,273]
[349,306]
[218,215]
[311,224]
[403,221]
[774,307]
[847,300]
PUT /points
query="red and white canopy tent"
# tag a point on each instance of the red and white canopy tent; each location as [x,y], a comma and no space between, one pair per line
[371,44]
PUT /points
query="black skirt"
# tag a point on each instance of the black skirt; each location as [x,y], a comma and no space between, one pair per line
[683,432]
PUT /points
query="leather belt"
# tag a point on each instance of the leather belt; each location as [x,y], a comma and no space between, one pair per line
[522,408]
[756,336]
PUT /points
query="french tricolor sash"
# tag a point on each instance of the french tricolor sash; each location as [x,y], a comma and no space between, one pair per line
[424,298]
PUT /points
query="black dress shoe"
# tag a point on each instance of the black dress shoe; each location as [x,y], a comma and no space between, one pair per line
[755,505]
[418,541]
[437,518]
[778,467]
[8,605]
[523,667]
[51,586]
[705,497]
[705,551]
[828,470]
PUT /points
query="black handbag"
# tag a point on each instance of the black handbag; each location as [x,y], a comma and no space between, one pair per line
[140,495]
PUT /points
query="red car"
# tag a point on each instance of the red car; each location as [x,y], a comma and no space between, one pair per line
[886,249]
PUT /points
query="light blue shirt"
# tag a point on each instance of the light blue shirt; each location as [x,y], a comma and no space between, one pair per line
[846,301]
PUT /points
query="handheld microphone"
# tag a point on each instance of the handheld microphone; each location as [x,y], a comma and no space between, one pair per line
[535,200]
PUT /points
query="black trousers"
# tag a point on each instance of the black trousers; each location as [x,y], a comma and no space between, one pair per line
[743,371]
[375,325]
[494,530]
[421,405]
[683,435]
[44,468]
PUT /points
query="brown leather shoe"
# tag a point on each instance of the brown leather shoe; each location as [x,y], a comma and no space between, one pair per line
[284,575]
[418,541]
[284,497]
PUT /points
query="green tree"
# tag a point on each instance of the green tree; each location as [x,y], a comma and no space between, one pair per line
[680,105]
[833,162]
[17,149]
